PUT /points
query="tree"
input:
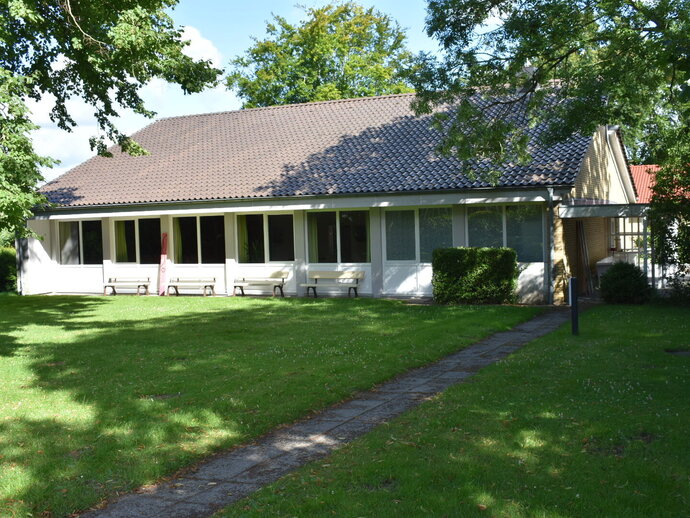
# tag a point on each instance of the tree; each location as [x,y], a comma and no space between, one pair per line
[338,52]
[101,52]
[574,65]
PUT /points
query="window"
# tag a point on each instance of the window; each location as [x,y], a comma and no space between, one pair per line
[433,225]
[400,235]
[435,231]
[281,238]
[212,239]
[250,235]
[149,241]
[519,227]
[354,237]
[138,241]
[199,239]
[92,237]
[323,237]
[339,236]
[261,236]
[524,232]
[485,226]
[81,242]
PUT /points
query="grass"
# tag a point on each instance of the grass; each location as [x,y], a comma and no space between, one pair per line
[595,425]
[102,395]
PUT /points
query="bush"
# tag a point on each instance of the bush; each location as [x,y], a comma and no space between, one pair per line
[8,269]
[625,283]
[679,284]
[474,275]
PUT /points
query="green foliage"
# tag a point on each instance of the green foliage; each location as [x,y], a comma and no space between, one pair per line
[8,269]
[474,275]
[679,284]
[575,64]
[101,52]
[624,283]
[6,238]
[340,51]
[669,212]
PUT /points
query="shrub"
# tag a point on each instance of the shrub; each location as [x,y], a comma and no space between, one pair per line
[474,275]
[624,283]
[8,269]
[679,284]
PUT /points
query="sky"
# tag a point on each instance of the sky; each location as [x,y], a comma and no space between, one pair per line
[218,30]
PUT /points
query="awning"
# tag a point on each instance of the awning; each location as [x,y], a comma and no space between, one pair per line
[630,210]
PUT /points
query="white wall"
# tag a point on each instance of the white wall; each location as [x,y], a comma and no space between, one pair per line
[42,273]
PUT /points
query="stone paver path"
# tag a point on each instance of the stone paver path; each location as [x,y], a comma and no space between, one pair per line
[229,477]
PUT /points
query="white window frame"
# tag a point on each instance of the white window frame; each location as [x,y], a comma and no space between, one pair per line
[264,221]
[338,254]
[198,238]
[504,207]
[417,237]
[81,244]
[136,239]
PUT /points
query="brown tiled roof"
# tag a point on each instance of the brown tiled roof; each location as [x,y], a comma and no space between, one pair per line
[644,179]
[365,145]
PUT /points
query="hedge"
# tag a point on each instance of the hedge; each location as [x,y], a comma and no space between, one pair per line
[8,269]
[474,275]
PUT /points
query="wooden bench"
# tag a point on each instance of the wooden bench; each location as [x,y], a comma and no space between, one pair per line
[275,279]
[205,285]
[340,280]
[127,282]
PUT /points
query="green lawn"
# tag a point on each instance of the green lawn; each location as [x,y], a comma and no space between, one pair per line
[590,426]
[101,395]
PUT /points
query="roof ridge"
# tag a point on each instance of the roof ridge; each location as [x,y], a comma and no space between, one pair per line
[288,106]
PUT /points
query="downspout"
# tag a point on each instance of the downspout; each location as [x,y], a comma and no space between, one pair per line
[551,247]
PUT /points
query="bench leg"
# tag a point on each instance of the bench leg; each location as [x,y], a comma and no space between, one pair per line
[282,294]
[312,288]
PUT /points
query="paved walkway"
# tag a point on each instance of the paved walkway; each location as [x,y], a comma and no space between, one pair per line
[229,477]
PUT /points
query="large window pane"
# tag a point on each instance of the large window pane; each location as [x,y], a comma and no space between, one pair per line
[281,238]
[149,241]
[354,237]
[92,233]
[125,242]
[322,237]
[435,231]
[485,226]
[212,239]
[69,242]
[250,234]
[400,245]
[184,230]
[525,232]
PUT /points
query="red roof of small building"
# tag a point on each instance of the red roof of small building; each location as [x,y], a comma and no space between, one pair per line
[644,178]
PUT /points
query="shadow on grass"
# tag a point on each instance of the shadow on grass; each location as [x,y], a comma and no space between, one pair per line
[115,402]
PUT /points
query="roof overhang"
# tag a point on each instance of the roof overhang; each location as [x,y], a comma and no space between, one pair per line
[628,210]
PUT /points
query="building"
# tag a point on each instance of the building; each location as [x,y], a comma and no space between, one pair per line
[338,185]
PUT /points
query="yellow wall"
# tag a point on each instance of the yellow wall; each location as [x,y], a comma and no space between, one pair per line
[599,178]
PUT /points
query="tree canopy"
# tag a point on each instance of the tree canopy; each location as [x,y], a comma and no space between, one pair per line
[339,51]
[575,64]
[101,52]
